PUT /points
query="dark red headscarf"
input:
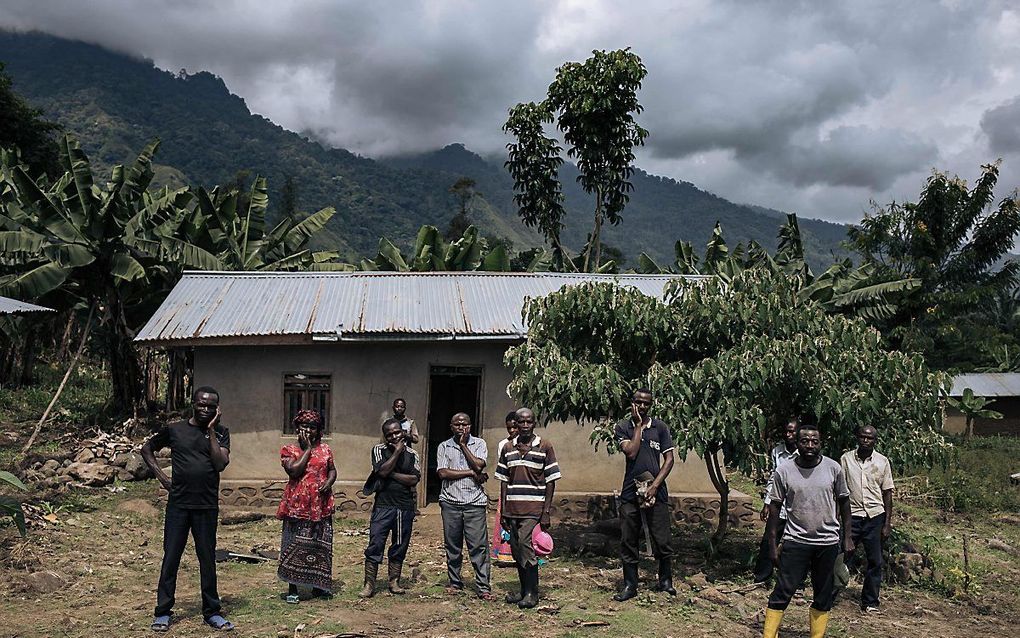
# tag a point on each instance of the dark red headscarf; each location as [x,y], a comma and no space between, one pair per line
[308,417]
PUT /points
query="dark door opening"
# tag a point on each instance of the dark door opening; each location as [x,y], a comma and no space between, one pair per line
[452,389]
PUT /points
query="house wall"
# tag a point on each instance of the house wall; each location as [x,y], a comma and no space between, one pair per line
[1008,425]
[366,377]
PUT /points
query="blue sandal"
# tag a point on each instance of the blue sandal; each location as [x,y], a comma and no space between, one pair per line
[217,621]
[160,623]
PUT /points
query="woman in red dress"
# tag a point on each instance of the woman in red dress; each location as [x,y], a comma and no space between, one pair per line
[306,509]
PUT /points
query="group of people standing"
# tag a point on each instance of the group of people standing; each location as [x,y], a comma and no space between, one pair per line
[801,499]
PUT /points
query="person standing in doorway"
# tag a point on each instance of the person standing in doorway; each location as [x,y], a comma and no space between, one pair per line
[199,452]
[812,487]
[648,446]
[781,453]
[461,461]
[396,470]
[409,427]
[528,471]
[869,478]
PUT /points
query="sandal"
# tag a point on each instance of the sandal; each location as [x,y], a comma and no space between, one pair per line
[217,621]
[292,599]
[160,623]
[487,596]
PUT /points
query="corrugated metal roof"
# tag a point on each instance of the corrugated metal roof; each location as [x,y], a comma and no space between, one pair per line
[15,307]
[360,304]
[988,384]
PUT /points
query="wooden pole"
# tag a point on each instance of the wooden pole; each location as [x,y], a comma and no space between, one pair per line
[60,389]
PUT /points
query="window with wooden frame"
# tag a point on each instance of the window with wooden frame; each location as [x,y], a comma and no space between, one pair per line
[305,391]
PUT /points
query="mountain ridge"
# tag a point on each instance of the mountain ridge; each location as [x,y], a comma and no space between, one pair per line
[116,103]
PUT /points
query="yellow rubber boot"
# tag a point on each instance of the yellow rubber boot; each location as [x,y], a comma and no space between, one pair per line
[819,621]
[772,619]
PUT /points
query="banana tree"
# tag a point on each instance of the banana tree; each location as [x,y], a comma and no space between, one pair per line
[77,239]
[973,407]
[841,289]
[432,254]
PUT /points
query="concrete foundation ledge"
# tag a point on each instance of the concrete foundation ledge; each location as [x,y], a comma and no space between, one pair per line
[692,508]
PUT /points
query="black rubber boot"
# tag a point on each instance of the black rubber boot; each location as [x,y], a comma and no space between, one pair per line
[530,598]
[630,583]
[666,577]
[513,598]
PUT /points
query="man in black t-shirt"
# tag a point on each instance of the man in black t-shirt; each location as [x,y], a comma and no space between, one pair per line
[199,451]
[396,470]
[648,446]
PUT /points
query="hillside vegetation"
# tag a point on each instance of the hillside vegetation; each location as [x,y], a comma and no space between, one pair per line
[116,104]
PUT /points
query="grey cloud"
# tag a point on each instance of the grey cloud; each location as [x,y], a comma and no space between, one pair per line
[811,96]
[850,156]
[1002,126]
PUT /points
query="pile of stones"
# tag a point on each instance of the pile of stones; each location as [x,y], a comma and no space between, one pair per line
[99,461]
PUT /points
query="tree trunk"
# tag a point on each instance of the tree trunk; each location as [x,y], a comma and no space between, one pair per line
[125,370]
[717,473]
[176,386]
[594,244]
[28,356]
[65,341]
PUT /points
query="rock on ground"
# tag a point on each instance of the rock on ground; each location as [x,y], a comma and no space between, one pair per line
[94,474]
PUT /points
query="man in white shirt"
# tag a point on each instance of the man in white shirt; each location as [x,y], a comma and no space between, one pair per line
[869,478]
[781,453]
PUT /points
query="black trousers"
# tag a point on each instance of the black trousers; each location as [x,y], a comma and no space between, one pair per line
[796,560]
[867,536]
[393,522]
[177,524]
[763,566]
[659,528]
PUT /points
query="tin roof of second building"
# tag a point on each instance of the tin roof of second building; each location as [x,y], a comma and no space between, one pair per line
[987,384]
[352,305]
[14,307]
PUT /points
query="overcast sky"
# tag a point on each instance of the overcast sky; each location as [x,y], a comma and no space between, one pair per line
[812,107]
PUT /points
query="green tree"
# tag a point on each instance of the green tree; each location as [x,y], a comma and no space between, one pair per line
[842,289]
[952,240]
[593,104]
[78,240]
[23,127]
[728,362]
[465,192]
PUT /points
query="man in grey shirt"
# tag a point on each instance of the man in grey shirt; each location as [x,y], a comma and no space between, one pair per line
[462,501]
[810,487]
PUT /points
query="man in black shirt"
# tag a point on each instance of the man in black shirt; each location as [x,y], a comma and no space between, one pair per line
[648,446]
[199,451]
[396,470]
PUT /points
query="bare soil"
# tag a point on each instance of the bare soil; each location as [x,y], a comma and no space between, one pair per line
[92,569]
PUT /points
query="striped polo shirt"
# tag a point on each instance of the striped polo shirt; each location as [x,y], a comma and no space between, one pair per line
[526,469]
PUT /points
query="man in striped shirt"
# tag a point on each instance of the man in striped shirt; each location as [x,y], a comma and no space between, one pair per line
[527,470]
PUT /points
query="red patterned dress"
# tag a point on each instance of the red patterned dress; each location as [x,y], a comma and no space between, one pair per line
[306,552]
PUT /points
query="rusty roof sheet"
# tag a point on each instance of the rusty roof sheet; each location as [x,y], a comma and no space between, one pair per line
[987,384]
[14,307]
[359,305]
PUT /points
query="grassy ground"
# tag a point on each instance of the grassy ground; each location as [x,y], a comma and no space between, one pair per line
[105,548]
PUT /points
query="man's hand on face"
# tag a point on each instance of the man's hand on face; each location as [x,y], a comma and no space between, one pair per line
[213,422]
[302,439]
[463,438]
[635,416]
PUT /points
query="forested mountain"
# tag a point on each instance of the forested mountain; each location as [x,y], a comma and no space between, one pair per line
[115,104]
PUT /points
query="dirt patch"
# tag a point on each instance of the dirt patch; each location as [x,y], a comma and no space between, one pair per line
[108,560]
